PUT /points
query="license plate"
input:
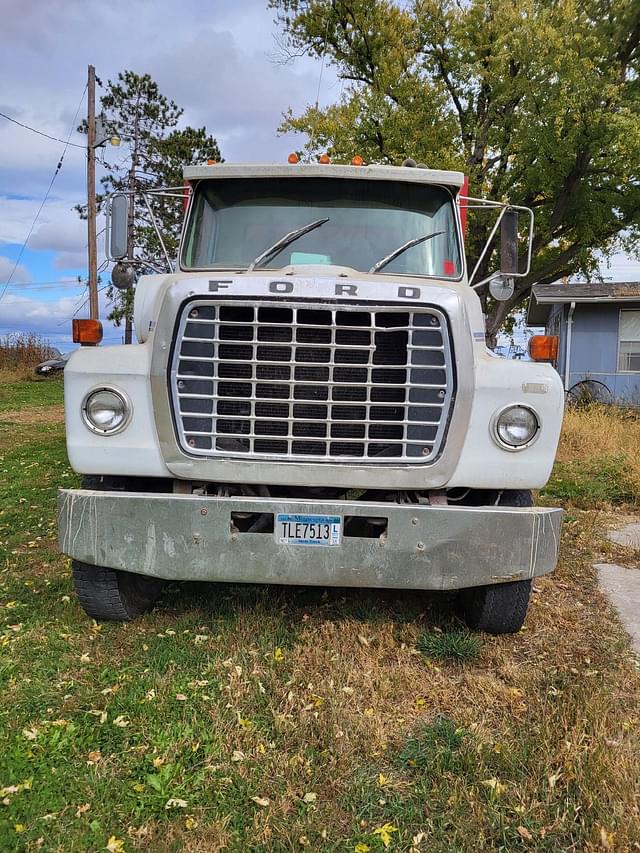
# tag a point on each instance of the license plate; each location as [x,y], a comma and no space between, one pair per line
[308,529]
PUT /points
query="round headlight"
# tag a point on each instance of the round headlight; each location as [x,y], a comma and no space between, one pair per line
[105,411]
[516,426]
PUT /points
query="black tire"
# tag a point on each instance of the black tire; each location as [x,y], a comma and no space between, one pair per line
[499,608]
[111,595]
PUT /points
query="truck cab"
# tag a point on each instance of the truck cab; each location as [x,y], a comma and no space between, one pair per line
[311,401]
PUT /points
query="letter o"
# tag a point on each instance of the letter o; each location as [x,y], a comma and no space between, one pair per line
[281,286]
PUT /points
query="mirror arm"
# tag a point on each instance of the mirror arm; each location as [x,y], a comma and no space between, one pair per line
[158,234]
[487,280]
[504,207]
[486,246]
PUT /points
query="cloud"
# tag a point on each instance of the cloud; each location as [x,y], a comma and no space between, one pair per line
[6,268]
[20,312]
[64,233]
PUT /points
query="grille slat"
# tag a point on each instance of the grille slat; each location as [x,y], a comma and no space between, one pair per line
[310,382]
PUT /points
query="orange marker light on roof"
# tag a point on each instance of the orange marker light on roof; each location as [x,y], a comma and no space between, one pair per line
[543,347]
[87,332]
[357,161]
[293,158]
[324,159]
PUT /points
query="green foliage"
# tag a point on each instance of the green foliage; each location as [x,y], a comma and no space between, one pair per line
[454,645]
[156,153]
[537,102]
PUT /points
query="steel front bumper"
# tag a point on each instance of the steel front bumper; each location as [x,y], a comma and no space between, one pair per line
[186,537]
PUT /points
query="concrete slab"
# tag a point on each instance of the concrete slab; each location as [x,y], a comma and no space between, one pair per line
[623,588]
[629,535]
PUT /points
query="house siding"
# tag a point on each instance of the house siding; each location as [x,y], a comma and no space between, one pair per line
[594,348]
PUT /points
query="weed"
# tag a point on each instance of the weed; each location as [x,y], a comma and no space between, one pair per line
[435,747]
[457,644]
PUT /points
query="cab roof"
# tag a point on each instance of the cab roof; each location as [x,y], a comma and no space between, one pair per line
[408,174]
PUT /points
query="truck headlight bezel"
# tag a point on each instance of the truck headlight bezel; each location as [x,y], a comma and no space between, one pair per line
[499,426]
[121,405]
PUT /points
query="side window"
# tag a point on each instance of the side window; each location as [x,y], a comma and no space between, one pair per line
[629,342]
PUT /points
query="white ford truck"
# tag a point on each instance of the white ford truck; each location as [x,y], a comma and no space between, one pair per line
[311,401]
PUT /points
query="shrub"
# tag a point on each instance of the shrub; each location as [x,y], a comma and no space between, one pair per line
[20,353]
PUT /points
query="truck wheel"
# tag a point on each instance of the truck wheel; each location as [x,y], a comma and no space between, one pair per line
[498,608]
[115,596]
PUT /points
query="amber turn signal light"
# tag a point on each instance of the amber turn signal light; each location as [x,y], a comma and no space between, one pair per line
[543,347]
[87,332]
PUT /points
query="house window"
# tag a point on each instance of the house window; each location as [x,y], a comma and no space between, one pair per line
[629,342]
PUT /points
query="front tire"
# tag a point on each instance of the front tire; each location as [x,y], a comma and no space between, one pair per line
[499,608]
[496,609]
[111,595]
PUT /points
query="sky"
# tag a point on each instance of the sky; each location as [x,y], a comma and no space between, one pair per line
[216,59]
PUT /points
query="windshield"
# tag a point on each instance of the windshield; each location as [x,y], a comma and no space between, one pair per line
[234,220]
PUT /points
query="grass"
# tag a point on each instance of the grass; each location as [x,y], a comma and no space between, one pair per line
[452,645]
[276,719]
[18,395]
[598,463]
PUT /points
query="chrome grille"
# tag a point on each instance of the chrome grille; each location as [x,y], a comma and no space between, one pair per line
[280,381]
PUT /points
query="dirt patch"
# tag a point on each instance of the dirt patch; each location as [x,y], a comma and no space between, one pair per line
[49,415]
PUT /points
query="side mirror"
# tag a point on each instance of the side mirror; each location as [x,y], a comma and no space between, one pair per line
[509,242]
[117,222]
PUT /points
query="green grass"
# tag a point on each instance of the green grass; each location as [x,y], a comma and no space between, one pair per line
[29,394]
[455,644]
[252,718]
[591,484]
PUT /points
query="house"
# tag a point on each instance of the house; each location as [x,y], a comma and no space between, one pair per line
[598,325]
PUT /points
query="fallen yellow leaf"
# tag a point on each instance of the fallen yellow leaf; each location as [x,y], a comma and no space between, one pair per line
[494,785]
[115,845]
[384,833]
[361,847]
[278,654]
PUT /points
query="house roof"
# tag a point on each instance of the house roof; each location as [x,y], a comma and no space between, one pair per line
[543,296]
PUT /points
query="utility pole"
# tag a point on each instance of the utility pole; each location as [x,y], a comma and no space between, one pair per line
[91,194]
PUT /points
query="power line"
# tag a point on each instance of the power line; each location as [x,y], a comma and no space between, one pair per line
[44,200]
[54,283]
[42,133]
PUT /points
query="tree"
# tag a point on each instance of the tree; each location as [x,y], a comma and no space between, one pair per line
[155,153]
[537,101]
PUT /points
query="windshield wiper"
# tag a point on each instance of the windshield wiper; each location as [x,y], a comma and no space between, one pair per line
[388,258]
[283,242]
